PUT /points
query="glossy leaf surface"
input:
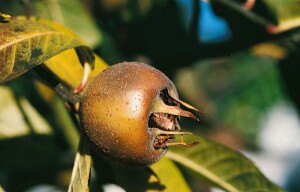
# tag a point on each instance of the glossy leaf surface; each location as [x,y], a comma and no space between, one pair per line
[70,13]
[155,178]
[165,169]
[228,169]
[25,44]
[67,67]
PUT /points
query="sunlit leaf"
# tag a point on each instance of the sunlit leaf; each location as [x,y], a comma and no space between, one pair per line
[52,24]
[66,65]
[25,44]
[11,125]
[69,13]
[27,143]
[269,50]
[82,168]
[18,117]
[68,68]
[132,179]
[37,123]
[162,176]
[170,176]
[226,168]
[45,91]
[1,189]
[287,13]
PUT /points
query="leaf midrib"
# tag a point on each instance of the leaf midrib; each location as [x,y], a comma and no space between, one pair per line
[29,37]
[213,177]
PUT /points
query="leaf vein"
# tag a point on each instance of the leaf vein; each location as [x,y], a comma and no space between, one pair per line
[202,170]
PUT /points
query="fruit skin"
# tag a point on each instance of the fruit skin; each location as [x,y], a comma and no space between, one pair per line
[115,110]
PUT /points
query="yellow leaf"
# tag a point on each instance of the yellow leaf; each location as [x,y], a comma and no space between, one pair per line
[82,168]
[269,50]
[25,44]
[52,24]
[170,176]
[67,67]
[13,114]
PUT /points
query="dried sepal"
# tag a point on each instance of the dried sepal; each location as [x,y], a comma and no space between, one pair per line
[161,107]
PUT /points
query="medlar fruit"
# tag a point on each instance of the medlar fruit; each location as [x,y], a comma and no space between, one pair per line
[130,114]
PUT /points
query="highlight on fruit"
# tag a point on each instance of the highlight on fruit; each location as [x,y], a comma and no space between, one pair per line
[130,114]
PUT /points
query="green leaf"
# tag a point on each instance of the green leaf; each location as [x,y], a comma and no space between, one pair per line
[25,44]
[170,176]
[228,169]
[11,125]
[25,135]
[287,13]
[82,168]
[284,10]
[65,122]
[66,65]
[137,179]
[70,13]
[18,117]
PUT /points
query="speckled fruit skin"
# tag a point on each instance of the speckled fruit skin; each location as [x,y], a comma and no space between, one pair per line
[115,109]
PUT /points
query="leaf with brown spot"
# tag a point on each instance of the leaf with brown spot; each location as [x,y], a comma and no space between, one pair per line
[25,44]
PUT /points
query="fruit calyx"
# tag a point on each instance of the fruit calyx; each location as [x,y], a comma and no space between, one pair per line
[163,121]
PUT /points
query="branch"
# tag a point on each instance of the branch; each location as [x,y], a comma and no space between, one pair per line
[270,27]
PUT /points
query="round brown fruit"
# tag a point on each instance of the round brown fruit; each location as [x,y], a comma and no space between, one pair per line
[130,114]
